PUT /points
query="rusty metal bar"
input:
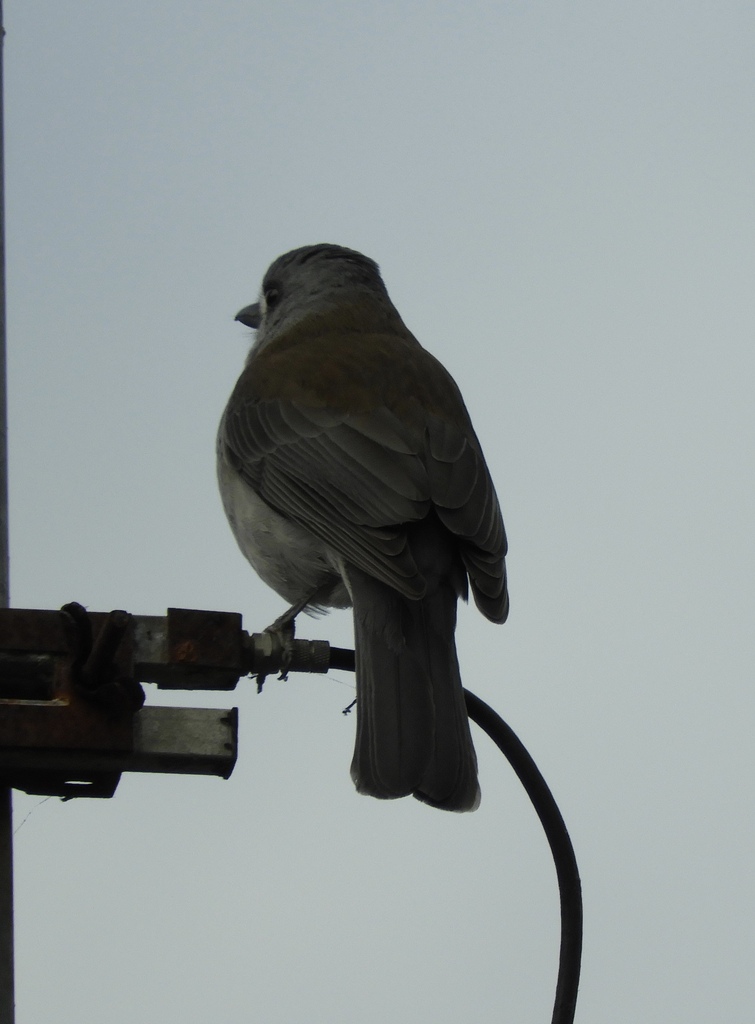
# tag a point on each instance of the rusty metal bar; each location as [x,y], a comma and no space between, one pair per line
[187,649]
[178,741]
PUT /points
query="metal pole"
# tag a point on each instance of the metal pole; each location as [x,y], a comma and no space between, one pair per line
[4,585]
[7,999]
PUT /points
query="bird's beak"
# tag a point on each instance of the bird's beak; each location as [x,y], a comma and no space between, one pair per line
[250,316]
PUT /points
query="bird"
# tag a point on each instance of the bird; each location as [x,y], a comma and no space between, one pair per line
[351,476]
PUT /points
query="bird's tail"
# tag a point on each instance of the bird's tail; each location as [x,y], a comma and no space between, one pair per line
[412,728]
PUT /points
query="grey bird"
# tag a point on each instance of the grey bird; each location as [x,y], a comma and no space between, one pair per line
[351,476]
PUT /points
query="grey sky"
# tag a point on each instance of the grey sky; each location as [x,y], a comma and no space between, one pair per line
[560,197]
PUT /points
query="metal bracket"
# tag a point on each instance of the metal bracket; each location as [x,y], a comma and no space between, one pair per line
[71,715]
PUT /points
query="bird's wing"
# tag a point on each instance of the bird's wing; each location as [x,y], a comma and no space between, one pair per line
[354,481]
[331,474]
[464,497]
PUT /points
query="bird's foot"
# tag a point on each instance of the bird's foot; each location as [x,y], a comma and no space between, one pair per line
[284,631]
[284,628]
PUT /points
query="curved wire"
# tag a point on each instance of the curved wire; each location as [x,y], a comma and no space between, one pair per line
[567,872]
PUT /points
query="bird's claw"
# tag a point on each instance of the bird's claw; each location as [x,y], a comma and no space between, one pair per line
[284,631]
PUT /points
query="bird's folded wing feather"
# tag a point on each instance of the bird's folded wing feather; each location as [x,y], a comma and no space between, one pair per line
[354,481]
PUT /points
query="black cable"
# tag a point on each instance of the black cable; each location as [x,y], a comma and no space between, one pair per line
[569,886]
[343,659]
[567,872]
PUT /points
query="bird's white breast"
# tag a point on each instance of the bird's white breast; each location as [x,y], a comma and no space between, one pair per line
[288,558]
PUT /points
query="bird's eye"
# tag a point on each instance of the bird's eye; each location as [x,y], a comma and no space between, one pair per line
[272,295]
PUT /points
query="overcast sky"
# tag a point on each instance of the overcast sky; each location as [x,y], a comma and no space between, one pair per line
[561,199]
